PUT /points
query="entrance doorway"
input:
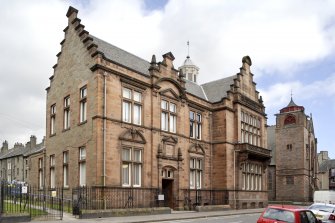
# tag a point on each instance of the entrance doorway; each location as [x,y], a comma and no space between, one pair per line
[167,189]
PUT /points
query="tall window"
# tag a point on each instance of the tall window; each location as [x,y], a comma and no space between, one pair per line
[52,119]
[195,173]
[40,173]
[251,176]
[168,116]
[83,104]
[52,171]
[9,171]
[131,106]
[82,166]
[195,125]
[131,167]
[67,112]
[66,169]
[250,129]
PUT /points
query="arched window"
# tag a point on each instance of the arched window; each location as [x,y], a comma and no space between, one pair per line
[290,119]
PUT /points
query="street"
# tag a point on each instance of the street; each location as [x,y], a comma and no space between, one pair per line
[244,218]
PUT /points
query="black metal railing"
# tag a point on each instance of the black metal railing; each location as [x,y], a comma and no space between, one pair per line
[96,198]
[202,197]
[35,202]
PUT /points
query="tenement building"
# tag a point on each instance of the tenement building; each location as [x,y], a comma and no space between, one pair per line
[116,120]
[294,164]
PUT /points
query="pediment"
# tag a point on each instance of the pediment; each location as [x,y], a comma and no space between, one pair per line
[170,139]
[170,93]
[133,135]
[181,90]
[197,148]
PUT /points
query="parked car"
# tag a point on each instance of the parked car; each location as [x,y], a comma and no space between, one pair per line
[324,212]
[288,214]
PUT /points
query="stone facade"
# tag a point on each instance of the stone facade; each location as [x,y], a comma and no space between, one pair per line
[16,164]
[94,138]
[294,162]
[326,174]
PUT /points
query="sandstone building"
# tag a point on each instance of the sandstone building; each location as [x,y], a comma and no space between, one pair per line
[294,164]
[114,119]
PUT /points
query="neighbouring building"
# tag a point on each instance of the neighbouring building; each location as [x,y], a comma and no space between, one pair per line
[326,175]
[322,156]
[116,120]
[16,164]
[294,164]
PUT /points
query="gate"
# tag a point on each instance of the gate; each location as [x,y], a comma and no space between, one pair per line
[35,203]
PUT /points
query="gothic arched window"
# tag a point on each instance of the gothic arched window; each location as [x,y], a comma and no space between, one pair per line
[290,119]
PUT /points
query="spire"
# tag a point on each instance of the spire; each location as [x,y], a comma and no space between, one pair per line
[188,49]
[291,104]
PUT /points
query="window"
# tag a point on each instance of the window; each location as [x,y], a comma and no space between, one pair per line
[195,125]
[82,166]
[52,119]
[83,104]
[167,173]
[250,129]
[252,176]
[289,147]
[67,112]
[40,173]
[290,119]
[195,173]
[66,169]
[131,167]
[52,171]
[131,106]
[168,116]
[332,172]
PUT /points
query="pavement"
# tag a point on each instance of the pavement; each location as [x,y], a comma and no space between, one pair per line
[175,215]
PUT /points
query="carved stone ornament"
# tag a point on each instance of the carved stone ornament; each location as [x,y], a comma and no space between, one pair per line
[133,135]
[197,148]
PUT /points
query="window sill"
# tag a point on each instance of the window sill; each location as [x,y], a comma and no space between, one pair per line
[65,130]
[82,123]
[52,135]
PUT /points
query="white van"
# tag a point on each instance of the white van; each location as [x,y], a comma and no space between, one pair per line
[324,196]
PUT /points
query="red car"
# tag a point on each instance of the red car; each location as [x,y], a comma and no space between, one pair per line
[288,214]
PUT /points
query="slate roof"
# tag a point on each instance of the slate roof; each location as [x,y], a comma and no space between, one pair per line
[213,91]
[195,89]
[122,57]
[22,151]
[326,165]
[216,90]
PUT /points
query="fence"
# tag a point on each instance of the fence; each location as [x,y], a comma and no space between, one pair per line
[193,197]
[95,198]
[17,199]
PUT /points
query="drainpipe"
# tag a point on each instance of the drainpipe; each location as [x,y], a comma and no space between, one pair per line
[104,132]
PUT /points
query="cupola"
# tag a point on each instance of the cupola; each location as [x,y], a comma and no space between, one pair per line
[189,70]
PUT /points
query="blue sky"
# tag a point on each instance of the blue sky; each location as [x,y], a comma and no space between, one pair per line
[291,44]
